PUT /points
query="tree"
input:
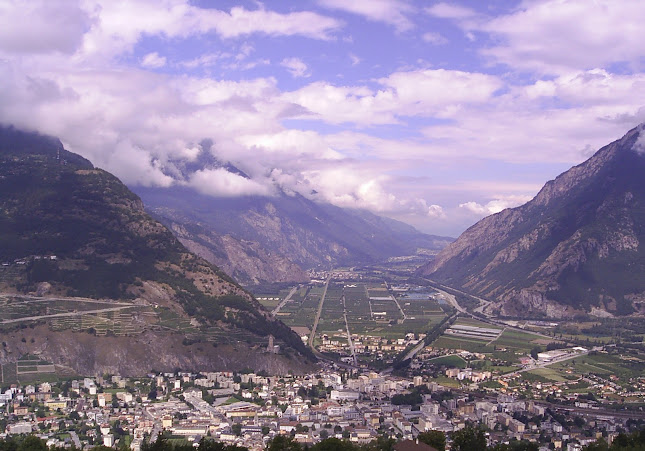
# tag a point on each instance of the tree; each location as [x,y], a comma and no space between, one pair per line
[283,443]
[324,434]
[334,444]
[237,429]
[468,439]
[535,351]
[600,445]
[212,445]
[32,443]
[436,439]
[382,443]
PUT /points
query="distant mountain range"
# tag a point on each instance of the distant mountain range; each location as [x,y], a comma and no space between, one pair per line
[69,229]
[575,248]
[275,239]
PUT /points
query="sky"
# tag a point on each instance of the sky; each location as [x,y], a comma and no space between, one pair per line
[434,113]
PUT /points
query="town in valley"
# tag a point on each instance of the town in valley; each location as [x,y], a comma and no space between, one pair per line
[397,357]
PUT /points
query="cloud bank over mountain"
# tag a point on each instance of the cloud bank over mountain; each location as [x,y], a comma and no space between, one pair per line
[436,114]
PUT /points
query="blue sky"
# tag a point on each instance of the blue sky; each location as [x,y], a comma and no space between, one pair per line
[435,113]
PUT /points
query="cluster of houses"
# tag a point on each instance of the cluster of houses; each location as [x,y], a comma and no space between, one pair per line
[250,409]
[376,346]
[468,374]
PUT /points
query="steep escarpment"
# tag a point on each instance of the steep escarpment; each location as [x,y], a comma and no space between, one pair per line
[575,247]
[248,262]
[89,354]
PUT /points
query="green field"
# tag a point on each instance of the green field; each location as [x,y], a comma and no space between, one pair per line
[378,316]
[449,361]
[548,374]
[624,367]
[465,344]
[516,339]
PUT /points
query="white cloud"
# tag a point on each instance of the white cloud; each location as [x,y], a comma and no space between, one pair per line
[391,12]
[354,59]
[153,60]
[221,183]
[435,211]
[42,26]
[296,67]
[135,165]
[414,93]
[560,120]
[555,36]
[205,60]
[495,205]
[434,38]
[450,11]
[639,145]
[440,91]
[118,25]
[292,143]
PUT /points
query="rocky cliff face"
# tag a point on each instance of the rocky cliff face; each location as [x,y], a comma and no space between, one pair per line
[70,229]
[246,261]
[574,248]
[87,354]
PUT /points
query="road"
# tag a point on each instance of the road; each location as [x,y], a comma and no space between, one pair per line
[399,306]
[285,300]
[452,300]
[349,334]
[32,299]
[320,306]
[61,315]
[75,439]
[410,355]
[156,427]
[545,364]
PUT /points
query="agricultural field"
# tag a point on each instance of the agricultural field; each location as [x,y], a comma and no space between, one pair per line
[604,365]
[449,361]
[370,307]
[331,318]
[503,347]
[371,310]
[518,340]
[32,369]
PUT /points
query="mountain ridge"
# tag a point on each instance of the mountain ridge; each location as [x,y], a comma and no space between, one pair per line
[297,233]
[551,256]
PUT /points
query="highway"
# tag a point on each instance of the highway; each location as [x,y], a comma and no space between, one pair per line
[320,306]
[285,300]
[545,364]
[31,299]
[349,334]
[486,319]
[61,315]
